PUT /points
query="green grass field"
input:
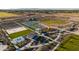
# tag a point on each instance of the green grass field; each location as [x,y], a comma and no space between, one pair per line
[50,22]
[21,33]
[70,43]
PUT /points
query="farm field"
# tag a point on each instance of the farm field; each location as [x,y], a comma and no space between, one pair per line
[21,33]
[6,14]
[51,22]
[70,43]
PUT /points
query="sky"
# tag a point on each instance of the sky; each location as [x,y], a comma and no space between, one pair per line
[11,4]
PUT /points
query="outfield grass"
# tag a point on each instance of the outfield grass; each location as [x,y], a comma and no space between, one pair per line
[6,14]
[50,22]
[21,33]
[70,43]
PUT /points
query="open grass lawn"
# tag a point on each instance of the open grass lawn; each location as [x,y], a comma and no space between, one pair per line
[6,14]
[50,22]
[21,33]
[70,43]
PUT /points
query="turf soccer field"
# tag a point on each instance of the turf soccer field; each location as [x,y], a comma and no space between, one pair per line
[21,33]
[70,43]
